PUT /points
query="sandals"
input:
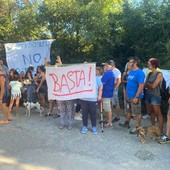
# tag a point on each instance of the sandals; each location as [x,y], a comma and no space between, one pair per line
[9,118]
[48,114]
[3,122]
[108,125]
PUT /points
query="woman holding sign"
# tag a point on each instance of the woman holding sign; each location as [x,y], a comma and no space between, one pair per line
[66,108]
[89,106]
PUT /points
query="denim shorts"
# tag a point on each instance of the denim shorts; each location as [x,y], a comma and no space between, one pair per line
[115,98]
[151,99]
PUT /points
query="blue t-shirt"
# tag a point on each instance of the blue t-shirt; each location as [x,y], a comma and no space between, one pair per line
[135,78]
[108,80]
[98,84]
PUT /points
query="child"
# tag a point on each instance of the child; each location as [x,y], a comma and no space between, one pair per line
[15,86]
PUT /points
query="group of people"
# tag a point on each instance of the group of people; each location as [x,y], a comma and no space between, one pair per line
[34,88]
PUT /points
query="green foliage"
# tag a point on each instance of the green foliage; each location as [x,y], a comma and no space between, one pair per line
[91,30]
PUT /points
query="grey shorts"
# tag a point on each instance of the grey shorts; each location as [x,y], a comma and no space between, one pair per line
[115,98]
[135,109]
[107,104]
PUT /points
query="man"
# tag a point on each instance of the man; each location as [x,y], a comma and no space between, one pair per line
[3,98]
[108,80]
[166,138]
[134,90]
[115,99]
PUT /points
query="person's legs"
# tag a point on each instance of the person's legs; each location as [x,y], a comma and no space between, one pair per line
[138,120]
[157,111]
[93,112]
[69,113]
[108,109]
[128,114]
[166,138]
[152,114]
[77,115]
[136,111]
[115,102]
[118,110]
[62,114]
[51,103]
[84,107]
[11,105]
[124,99]
[5,113]
[109,117]
[17,105]
[168,125]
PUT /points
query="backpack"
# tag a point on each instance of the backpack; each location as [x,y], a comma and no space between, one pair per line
[164,92]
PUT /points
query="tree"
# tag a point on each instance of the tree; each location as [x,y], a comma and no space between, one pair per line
[81,28]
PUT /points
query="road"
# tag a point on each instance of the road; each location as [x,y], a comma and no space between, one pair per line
[36,143]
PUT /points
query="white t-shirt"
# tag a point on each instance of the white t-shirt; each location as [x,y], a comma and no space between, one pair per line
[15,87]
[117,74]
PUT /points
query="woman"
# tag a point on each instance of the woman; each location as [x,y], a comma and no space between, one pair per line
[31,85]
[89,106]
[124,81]
[41,89]
[153,98]
[66,107]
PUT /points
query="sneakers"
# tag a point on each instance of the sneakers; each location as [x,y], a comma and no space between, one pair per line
[61,127]
[147,116]
[84,130]
[78,117]
[69,127]
[108,125]
[133,131]
[94,131]
[115,119]
[164,139]
[125,125]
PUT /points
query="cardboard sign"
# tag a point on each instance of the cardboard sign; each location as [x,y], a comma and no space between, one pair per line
[71,82]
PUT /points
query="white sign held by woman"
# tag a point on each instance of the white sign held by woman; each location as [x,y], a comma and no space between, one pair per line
[71,82]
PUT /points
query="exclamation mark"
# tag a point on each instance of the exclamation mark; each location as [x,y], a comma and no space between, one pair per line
[90,76]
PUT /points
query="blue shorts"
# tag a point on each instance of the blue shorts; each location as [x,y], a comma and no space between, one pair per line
[151,99]
[115,98]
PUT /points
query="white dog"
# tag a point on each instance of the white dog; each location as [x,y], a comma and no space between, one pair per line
[32,105]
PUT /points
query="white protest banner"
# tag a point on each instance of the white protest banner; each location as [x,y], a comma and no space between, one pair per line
[71,82]
[21,55]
